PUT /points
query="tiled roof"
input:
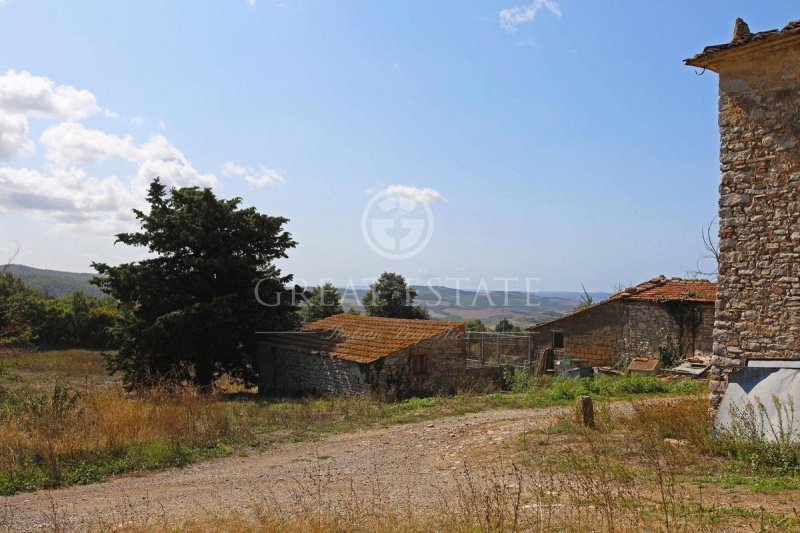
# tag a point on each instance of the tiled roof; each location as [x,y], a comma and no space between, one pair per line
[362,339]
[662,289]
[708,58]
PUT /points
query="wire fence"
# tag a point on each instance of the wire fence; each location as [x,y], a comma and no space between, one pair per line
[486,348]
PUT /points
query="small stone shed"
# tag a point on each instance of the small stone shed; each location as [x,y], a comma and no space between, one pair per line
[758,312]
[635,322]
[351,354]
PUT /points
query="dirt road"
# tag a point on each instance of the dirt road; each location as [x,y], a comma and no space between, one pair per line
[413,462]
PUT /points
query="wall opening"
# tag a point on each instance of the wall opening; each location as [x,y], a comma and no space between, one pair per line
[558,340]
[419,365]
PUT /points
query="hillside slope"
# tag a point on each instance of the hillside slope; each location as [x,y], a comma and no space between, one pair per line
[522,308]
[55,282]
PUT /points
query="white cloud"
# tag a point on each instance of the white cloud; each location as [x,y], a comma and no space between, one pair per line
[14,139]
[22,93]
[68,199]
[157,157]
[513,17]
[261,177]
[70,142]
[251,3]
[137,121]
[414,194]
[64,190]
[233,169]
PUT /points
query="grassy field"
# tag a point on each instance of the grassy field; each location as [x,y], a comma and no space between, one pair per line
[650,468]
[63,421]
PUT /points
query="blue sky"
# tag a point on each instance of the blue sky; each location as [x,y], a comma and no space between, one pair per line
[557,140]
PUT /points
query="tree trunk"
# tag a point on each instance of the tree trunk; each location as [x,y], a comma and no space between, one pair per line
[203,375]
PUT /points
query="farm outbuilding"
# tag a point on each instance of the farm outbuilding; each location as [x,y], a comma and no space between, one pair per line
[351,354]
[663,312]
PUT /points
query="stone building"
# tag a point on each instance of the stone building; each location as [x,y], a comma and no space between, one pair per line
[351,354]
[669,312]
[758,311]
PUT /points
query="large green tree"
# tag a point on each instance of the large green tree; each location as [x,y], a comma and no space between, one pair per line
[193,307]
[321,302]
[391,297]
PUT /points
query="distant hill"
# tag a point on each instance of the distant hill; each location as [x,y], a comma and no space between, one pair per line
[521,308]
[55,282]
[443,303]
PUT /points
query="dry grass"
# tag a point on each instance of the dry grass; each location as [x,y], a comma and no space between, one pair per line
[65,437]
[64,422]
[628,475]
[71,362]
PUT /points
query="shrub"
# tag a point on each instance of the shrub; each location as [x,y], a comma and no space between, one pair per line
[761,442]
[669,354]
[560,389]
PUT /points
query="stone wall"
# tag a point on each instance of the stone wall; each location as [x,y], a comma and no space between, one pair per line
[289,371]
[758,308]
[651,324]
[704,336]
[592,335]
[616,331]
[446,368]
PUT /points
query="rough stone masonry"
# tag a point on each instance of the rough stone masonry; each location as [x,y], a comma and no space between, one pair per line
[758,306]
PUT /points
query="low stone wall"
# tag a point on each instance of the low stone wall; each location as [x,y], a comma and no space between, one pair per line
[491,376]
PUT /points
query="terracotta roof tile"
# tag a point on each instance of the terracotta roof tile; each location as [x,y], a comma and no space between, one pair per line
[662,289]
[362,339]
[659,289]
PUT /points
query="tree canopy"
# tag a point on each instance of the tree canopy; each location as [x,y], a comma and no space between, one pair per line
[474,324]
[193,307]
[505,325]
[391,297]
[321,302]
[29,318]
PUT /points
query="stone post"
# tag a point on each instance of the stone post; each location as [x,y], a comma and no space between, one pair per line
[584,412]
